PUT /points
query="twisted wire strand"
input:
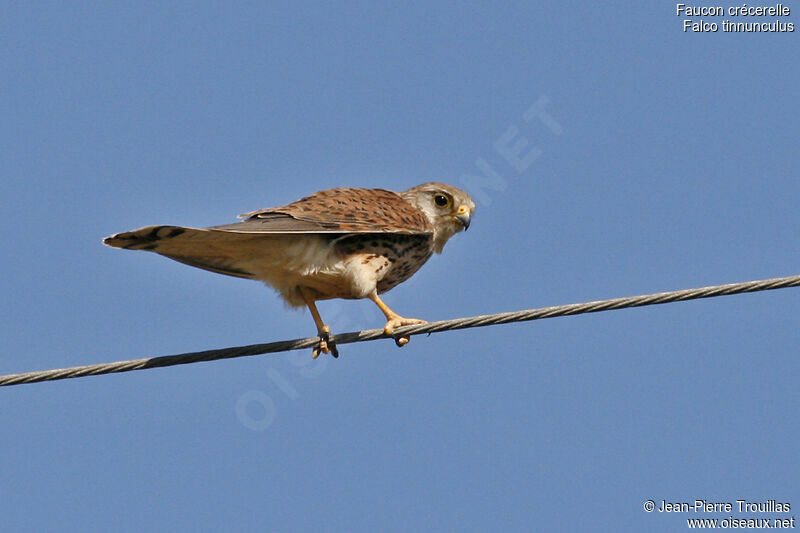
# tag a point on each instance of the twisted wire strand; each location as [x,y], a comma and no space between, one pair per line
[430,327]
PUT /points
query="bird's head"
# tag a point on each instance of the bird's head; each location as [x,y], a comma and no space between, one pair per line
[448,209]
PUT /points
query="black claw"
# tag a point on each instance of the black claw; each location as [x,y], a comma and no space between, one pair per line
[326,337]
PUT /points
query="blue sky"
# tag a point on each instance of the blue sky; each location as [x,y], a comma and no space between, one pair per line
[665,160]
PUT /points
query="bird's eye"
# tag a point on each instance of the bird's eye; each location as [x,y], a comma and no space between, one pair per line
[441,200]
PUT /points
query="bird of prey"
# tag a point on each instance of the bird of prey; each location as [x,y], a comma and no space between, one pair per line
[338,243]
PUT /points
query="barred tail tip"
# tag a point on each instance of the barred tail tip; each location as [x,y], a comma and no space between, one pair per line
[143,238]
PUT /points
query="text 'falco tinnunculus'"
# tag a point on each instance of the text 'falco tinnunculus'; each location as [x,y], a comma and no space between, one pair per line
[338,243]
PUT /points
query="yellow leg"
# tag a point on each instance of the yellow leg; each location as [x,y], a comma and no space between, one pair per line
[393,320]
[325,345]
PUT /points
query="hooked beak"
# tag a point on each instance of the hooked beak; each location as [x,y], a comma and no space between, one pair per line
[463,215]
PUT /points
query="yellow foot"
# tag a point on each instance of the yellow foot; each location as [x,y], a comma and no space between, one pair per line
[398,322]
[325,345]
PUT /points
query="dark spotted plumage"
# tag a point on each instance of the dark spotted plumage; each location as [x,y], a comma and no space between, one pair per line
[400,256]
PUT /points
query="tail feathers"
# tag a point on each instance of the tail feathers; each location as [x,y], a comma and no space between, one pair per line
[218,251]
[143,238]
[219,265]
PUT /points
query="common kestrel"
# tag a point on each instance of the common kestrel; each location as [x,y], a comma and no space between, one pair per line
[337,243]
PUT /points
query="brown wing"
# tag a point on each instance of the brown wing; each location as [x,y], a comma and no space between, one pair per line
[343,210]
